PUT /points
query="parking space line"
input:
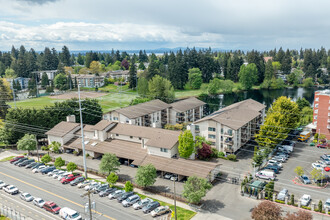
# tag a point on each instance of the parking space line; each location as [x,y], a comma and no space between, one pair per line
[106,216]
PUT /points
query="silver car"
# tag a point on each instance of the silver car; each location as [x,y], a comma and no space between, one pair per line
[282,194]
[116,194]
[26,197]
[140,204]
[39,202]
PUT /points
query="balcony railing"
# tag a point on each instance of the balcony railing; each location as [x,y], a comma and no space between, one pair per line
[328,120]
[228,134]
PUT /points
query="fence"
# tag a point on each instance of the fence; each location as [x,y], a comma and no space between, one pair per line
[11,213]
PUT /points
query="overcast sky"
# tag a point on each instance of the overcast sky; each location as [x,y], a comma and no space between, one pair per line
[152,24]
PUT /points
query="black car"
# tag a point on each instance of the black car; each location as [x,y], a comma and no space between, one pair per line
[20,160]
[77,180]
[107,192]
[31,165]
[26,162]
[272,167]
[47,170]
[151,206]
[326,179]
[124,196]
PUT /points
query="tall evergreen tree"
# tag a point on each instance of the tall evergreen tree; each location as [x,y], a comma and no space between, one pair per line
[80,59]
[269,72]
[44,80]
[132,76]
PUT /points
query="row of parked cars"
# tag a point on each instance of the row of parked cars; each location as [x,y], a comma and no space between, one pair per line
[324,165]
[50,206]
[127,199]
[275,164]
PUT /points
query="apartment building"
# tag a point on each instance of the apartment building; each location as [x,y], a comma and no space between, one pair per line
[157,113]
[228,129]
[133,144]
[89,81]
[186,111]
[321,113]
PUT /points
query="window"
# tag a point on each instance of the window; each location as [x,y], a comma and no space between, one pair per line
[213,143]
[130,137]
[211,129]
[211,136]
[140,138]
[196,127]
[163,150]
[315,117]
[117,134]
[316,105]
[115,118]
[221,130]
[316,111]
[317,99]
[230,132]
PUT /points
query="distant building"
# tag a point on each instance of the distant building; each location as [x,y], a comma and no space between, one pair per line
[119,74]
[21,80]
[50,74]
[186,111]
[228,129]
[268,58]
[89,81]
[321,115]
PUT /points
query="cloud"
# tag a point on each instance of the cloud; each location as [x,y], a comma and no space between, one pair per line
[40,2]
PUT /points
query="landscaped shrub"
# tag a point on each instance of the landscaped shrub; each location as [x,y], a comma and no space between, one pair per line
[221,154]
[279,201]
[320,205]
[292,200]
[231,157]
[215,152]
[306,207]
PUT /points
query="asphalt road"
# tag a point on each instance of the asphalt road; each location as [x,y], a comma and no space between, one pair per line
[64,195]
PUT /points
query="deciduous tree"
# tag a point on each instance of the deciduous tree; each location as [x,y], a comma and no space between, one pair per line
[266,210]
[300,215]
[112,179]
[28,142]
[194,78]
[109,163]
[46,159]
[299,171]
[59,162]
[146,175]
[195,189]
[128,186]
[71,166]
[186,144]
[161,88]
[248,75]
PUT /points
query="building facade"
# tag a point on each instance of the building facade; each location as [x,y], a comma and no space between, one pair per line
[24,82]
[88,81]
[321,112]
[228,129]
[186,111]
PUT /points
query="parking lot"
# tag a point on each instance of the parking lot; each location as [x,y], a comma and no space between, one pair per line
[303,155]
[52,190]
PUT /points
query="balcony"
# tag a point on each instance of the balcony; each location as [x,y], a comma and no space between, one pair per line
[328,120]
[228,134]
[328,127]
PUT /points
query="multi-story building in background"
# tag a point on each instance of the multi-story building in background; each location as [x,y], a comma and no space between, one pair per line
[321,113]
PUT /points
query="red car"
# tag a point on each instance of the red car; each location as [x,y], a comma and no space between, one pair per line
[324,145]
[70,178]
[327,169]
[15,159]
[51,207]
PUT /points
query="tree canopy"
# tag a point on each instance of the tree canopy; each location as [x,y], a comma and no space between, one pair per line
[109,163]
[27,142]
[146,175]
[186,144]
[195,189]
[161,88]
[248,75]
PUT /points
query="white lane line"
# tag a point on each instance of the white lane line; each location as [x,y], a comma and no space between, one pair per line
[26,206]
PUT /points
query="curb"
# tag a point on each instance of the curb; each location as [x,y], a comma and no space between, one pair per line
[315,187]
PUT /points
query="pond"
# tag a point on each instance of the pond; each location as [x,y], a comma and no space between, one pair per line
[264,96]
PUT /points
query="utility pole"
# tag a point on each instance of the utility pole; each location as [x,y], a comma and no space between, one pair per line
[14,96]
[84,152]
[175,200]
[37,85]
[37,149]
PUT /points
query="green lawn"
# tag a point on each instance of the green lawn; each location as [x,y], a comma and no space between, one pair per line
[7,159]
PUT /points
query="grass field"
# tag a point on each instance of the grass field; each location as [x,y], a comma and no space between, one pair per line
[7,159]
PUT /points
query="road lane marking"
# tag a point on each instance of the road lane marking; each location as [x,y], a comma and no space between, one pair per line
[25,205]
[56,195]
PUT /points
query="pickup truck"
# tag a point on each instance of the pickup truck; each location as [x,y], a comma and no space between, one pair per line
[70,178]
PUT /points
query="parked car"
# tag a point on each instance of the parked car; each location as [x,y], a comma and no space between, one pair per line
[279,159]
[304,179]
[20,160]
[47,170]
[305,200]
[274,162]
[174,178]
[282,194]
[11,189]
[160,211]
[130,200]
[83,184]
[65,174]
[53,172]
[151,206]
[107,192]
[100,188]
[317,166]
[37,165]
[124,196]
[51,207]
[285,149]
[327,204]
[325,179]
[70,178]
[168,176]
[284,154]
[37,170]
[26,162]
[3,184]
[325,159]
[39,202]
[289,143]
[266,174]
[70,214]
[273,168]
[140,204]
[77,180]
[16,159]
[26,197]
[29,166]
[92,186]
[116,194]
[59,173]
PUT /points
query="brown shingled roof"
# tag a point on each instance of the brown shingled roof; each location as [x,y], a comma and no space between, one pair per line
[142,109]
[62,128]
[157,137]
[101,125]
[236,115]
[186,104]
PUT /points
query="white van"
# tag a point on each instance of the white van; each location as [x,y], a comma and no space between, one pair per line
[67,213]
[266,174]
[288,147]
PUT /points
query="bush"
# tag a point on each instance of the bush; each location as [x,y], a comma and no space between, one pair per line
[215,152]
[320,206]
[279,201]
[221,154]
[231,157]
[128,186]
[75,152]
[306,207]
[292,200]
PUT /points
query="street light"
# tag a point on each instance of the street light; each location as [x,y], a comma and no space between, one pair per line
[174,180]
